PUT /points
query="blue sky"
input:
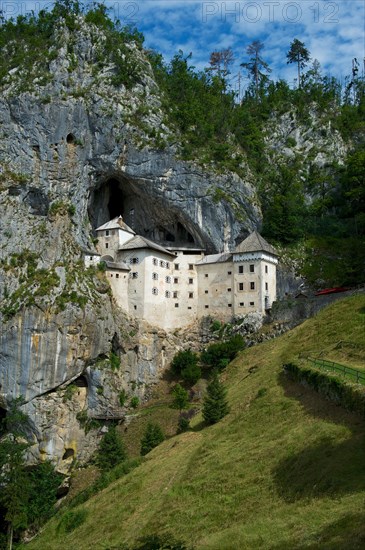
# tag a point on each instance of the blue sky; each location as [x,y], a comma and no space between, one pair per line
[333,32]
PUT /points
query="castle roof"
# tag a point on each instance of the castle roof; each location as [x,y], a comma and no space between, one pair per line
[255,243]
[120,265]
[141,242]
[116,223]
[215,258]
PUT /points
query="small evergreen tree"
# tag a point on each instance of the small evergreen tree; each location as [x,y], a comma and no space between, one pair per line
[215,405]
[181,398]
[185,364]
[111,450]
[152,437]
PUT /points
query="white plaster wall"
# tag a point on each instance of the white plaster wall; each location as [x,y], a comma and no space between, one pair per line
[214,282]
[90,260]
[119,282]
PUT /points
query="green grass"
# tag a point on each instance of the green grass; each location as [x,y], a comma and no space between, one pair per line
[284,470]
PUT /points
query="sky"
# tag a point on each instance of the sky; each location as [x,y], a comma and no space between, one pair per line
[333,32]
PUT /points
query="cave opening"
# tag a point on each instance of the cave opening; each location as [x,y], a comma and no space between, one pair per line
[69,453]
[81,382]
[149,216]
[3,414]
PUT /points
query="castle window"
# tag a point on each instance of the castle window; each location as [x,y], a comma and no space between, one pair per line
[154,261]
[229,290]
[176,305]
[189,307]
[191,266]
[176,266]
[206,292]
[206,275]
[111,274]
[117,275]
[162,263]
[176,280]
[155,291]
[175,294]
[168,265]
[240,269]
[241,304]
[252,268]
[155,276]
[229,305]
[107,233]
[206,307]
[191,281]
[167,294]
[191,294]
[252,286]
[240,286]
[229,273]
[134,275]
[106,245]
[252,303]
[266,286]
[266,269]
[168,279]
[134,261]
[91,257]
[135,307]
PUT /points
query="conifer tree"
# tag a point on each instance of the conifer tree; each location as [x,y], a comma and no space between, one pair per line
[258,68]
[152,437]
[215,403]
[111,450]
[298,54]
[181,397]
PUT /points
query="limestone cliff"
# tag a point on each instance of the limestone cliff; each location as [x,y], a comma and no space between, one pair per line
[75,151]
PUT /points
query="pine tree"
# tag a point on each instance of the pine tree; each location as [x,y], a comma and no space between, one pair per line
[298,54]
[256,66]
[215,403]
[152,437]
[111,450]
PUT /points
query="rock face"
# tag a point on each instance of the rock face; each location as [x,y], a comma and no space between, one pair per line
[73,154]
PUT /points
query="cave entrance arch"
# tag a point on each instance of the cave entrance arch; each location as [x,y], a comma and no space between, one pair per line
[149,216]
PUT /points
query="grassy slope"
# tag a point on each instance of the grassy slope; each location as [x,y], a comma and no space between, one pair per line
[285,469]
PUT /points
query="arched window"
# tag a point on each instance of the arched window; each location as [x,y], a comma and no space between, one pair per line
[155,276]
[155,291]
[168,279]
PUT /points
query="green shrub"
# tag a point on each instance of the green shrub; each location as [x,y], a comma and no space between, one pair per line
[183,424]
[122,397]
[71,520]
[152,437]
[219,355]
[181,397]
[114,361]
[134,402]
[185,364]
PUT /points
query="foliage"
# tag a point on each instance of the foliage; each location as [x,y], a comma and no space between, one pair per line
[185,364]
[152,437]
[218,355]
[44,482]
[181,397]
[111,450]
[256,66]
[298,54]
[71,520]
[114,361]
[134,402]
[122,397]
[159,542]
[183,424]
[215,405]
[350,396]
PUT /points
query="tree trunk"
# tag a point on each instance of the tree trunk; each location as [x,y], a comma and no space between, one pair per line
[10,536]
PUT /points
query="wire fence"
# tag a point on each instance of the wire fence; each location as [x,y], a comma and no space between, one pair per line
[354,374]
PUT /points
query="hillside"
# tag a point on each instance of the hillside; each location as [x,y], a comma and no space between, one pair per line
[285,469]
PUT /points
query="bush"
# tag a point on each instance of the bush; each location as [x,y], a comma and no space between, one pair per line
[219,355]
[111,450]
[183,424]
[185,364]
[181,397]
[122,397]
[215,405]
[152,437]
[134,402]
[71,520]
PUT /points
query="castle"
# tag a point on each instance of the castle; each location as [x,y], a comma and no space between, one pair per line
[171,287]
